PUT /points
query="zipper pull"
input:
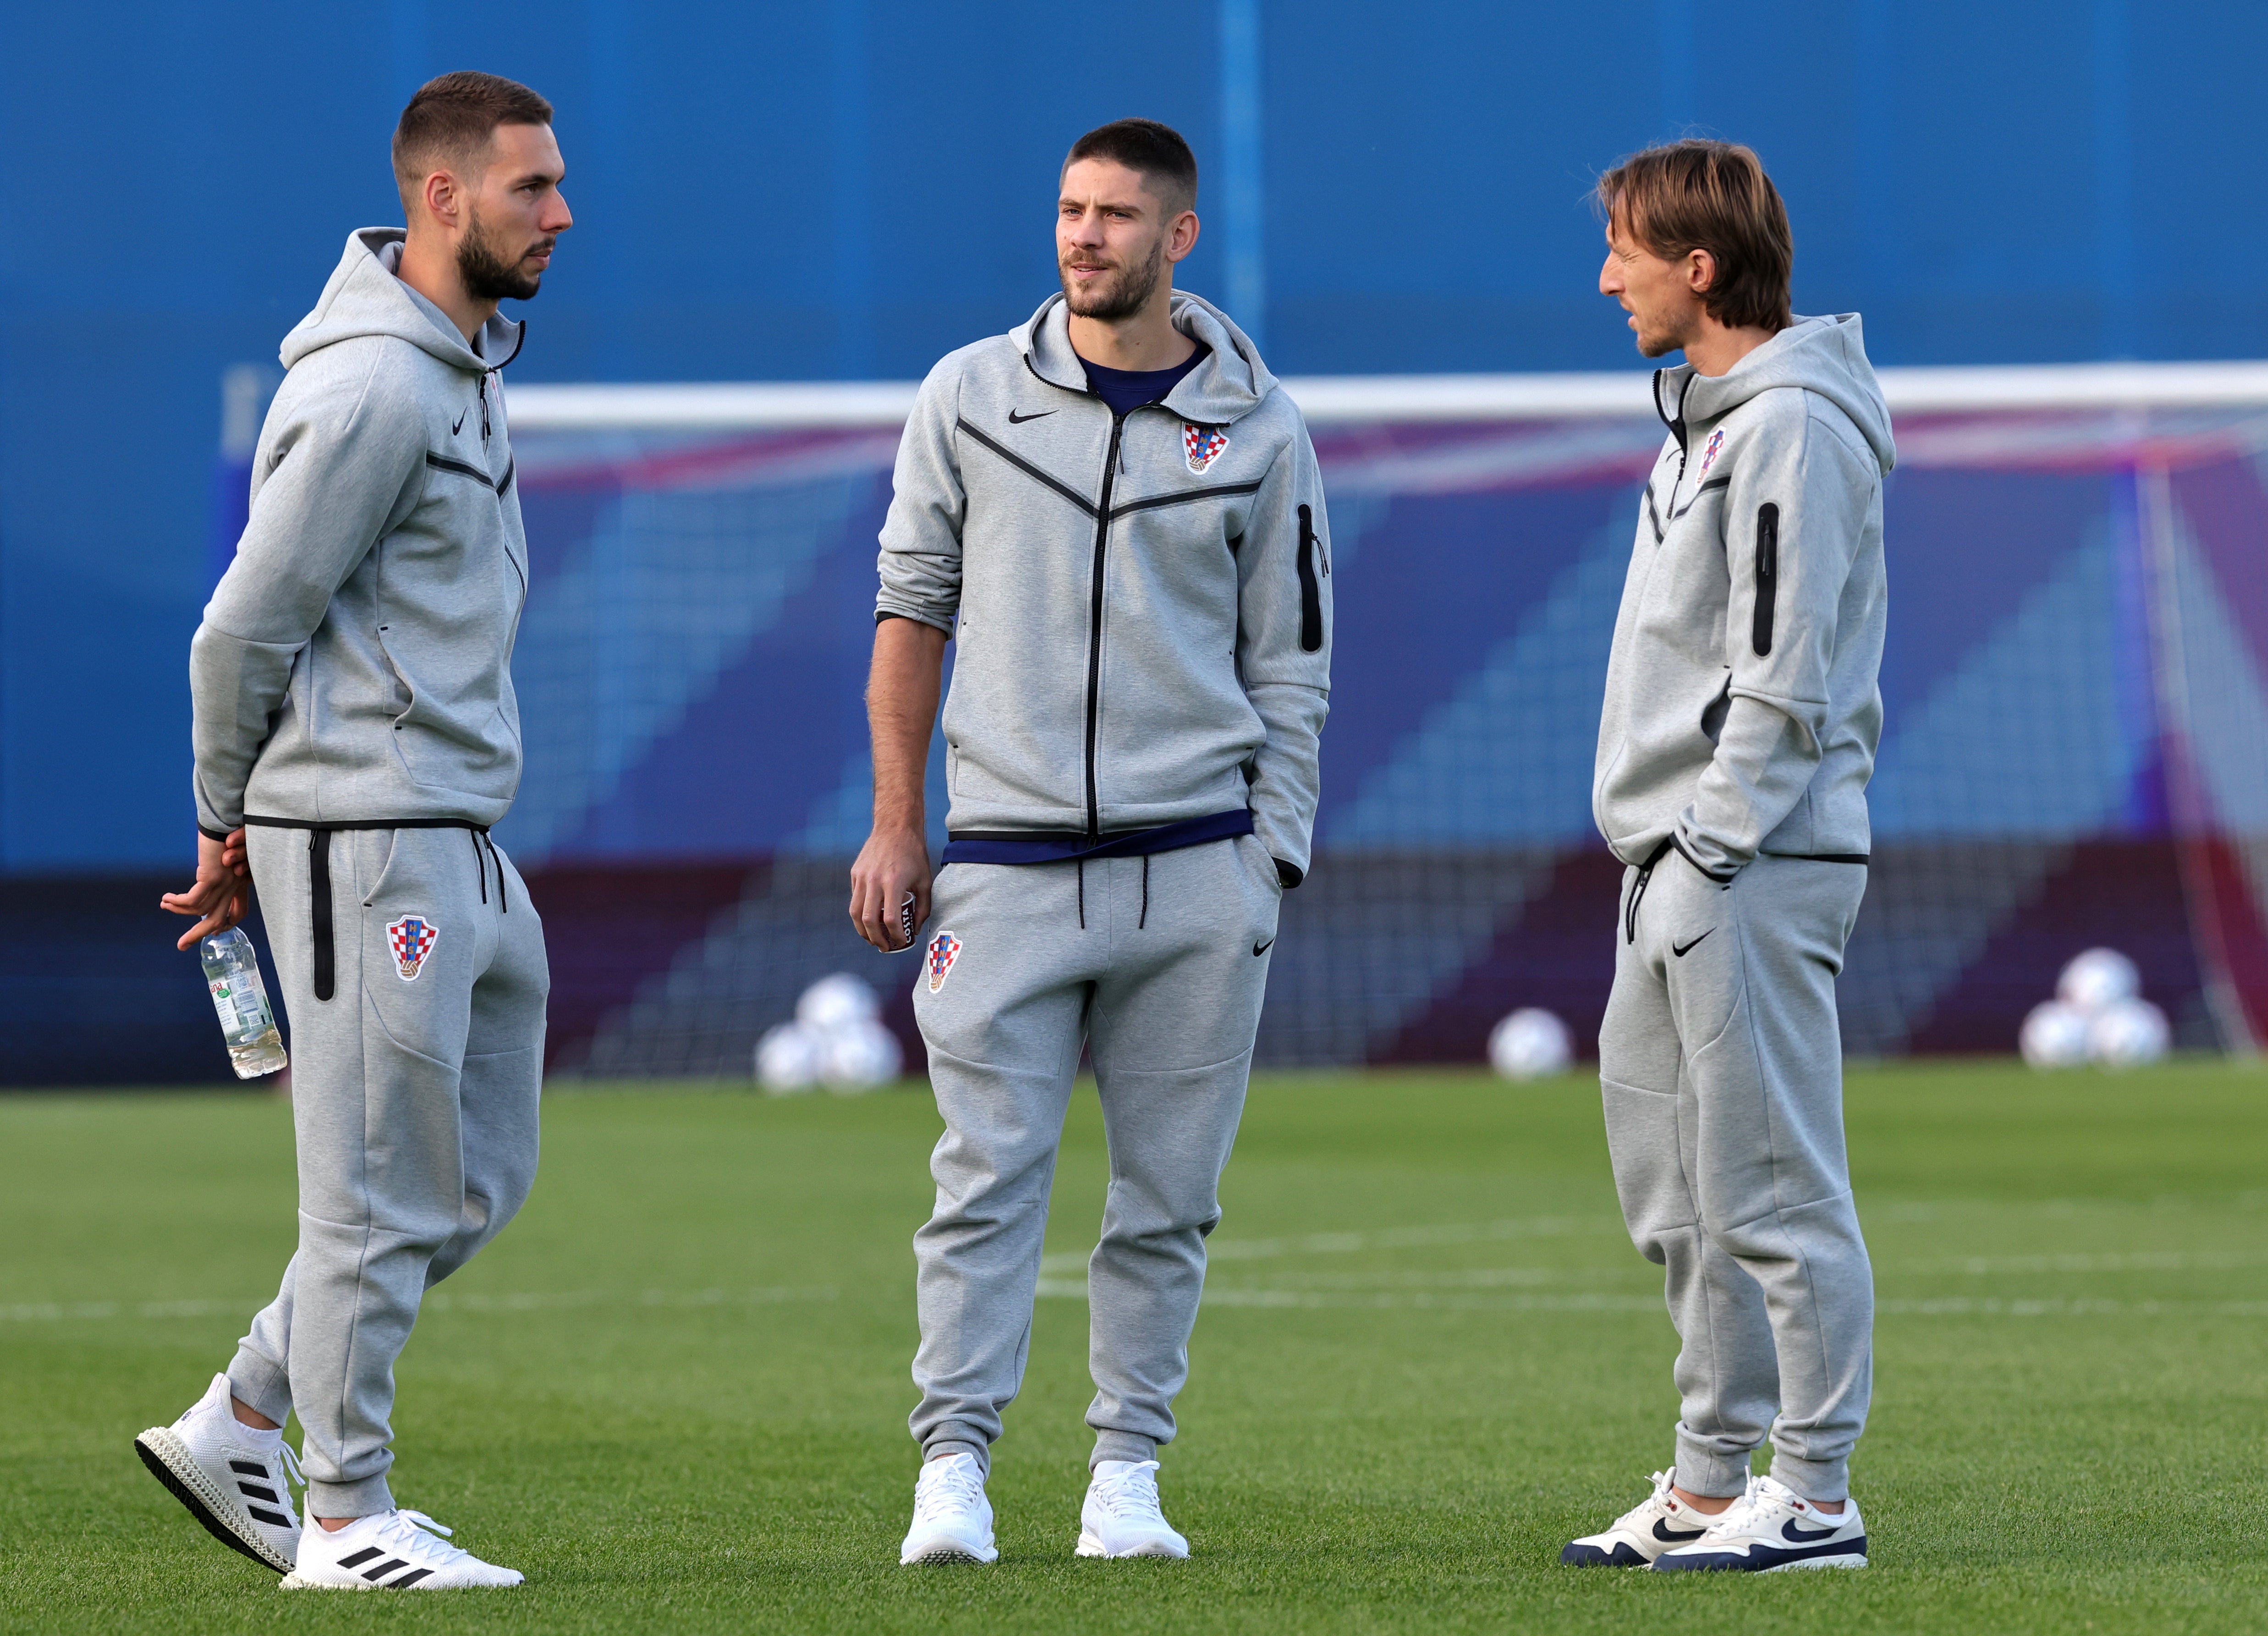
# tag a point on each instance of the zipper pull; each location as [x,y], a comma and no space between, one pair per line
[484,408]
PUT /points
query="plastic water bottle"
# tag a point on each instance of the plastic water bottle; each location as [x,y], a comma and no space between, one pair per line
[246,1019]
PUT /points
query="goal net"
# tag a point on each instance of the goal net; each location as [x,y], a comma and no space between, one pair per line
[2073,684]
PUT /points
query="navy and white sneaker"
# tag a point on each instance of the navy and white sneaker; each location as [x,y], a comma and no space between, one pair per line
[1771,1528]
[1662,1523]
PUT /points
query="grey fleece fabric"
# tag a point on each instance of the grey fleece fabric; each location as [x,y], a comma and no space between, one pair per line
[415,1104]
[1741,713]
[1194,677]
[352,668]
[1722,1071]
[1162,983]
[354,662]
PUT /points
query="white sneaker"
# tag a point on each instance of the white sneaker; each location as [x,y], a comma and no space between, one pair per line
[393,1550]
[952,1521]
[1771,1528]
[1121,1516]
[1661,1522]
[232,1478]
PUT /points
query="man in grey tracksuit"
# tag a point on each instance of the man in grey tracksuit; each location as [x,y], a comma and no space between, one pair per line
[1141,598]
[354,719]
[1738,735]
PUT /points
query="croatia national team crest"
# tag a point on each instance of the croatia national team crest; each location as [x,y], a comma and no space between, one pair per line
[944,949]
[412,939]
[1712,449]
[1202,444]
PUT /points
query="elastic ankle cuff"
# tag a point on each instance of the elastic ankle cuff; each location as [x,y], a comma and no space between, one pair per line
[260,1386]
[946,1446]
[1815,1479]
[365,1498]
[1122,1446]
[1711,1474]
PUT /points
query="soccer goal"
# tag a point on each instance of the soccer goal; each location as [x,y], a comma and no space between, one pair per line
[2075,754]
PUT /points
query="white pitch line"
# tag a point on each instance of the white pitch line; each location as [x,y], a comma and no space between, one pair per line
[1951,1307]
[438,1300]
[1385,1238]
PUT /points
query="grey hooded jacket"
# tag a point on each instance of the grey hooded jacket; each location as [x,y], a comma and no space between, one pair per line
[353,662]
[1741,711]
[1143,606]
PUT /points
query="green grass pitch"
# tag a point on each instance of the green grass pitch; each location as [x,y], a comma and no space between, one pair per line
[674,1393]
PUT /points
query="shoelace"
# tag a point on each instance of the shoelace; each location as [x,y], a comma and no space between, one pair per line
[942,1493]
[1132,1493]
[1653,1505]
[409,1532]
[1741,1512]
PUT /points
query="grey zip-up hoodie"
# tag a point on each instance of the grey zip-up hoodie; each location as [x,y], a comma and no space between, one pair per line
[353,664]
[1143,606]
[1741,711]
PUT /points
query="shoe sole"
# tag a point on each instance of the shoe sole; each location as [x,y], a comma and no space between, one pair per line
[293,1581]
[1090,1546]
[947,1552]
[1816,1562]
[172,1464]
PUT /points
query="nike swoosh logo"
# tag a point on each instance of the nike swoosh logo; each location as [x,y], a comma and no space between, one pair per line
[1681,952]
[1014,419]
[459,426]
[1805,1537]
[1259,949]
[1661,1530]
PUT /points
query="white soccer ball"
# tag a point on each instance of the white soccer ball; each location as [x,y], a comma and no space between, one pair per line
[838,1002]
[1530,1044]
[2097,978]
[2129,1034]
[788,1059]
[859,1057]
[2054,1036]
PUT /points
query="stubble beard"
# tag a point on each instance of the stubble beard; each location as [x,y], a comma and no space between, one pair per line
[1123,297]
[486,275]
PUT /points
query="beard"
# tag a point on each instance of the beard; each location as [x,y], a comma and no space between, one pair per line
[1120,297]
[487,277]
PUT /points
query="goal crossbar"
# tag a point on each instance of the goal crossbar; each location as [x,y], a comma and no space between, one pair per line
[1341,399]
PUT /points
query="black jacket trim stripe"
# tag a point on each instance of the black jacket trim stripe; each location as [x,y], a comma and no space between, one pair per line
[1027,468]
[1157,500]
[442,462]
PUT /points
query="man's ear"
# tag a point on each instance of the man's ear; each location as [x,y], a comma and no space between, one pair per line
[442,198]
[1700,271]
[1181,237]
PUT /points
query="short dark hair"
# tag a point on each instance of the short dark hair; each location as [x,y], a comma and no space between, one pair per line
[1697,195]
[1154,149]
[454,117]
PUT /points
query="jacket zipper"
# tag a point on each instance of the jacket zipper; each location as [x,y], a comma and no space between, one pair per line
[1094,625]
[1311,597]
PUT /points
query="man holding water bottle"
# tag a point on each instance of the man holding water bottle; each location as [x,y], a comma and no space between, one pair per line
[356,734]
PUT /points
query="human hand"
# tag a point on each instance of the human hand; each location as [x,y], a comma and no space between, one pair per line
[892,864]
[222,893]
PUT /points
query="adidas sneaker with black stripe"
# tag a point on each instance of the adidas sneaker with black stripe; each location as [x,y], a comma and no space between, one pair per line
[393,1550]
[232,1478]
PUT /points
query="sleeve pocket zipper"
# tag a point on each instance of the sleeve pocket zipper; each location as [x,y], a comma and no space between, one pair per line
[1760,633]
[1311,595]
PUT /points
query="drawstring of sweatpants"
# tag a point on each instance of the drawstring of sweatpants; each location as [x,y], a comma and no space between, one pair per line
[1138,925]
[1637,890]
[481,868]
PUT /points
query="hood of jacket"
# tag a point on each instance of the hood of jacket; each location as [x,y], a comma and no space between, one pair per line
[1827,356]
[365,297]
[1223,389]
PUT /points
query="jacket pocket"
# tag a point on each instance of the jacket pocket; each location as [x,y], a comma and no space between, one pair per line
[1760,631]
[1311,591]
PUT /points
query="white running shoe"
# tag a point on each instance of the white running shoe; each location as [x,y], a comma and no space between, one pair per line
[1121,1515]
[391,1550]
[233,1478]
[1771,1528]
[1660,1523]
[952,1521]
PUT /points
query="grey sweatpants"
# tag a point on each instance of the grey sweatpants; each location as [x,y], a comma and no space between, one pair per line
[1722,1062]
[1163,984]
[415,1104]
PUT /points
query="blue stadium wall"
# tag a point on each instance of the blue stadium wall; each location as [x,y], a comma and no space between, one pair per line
[848,190]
